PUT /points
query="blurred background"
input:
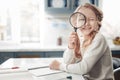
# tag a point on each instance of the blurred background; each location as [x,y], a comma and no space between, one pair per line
[40,28]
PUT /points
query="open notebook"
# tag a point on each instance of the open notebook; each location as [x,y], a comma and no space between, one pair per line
[35,69]
[44,72]
[19,70]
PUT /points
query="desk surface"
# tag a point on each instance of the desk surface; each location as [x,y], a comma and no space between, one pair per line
[31,63]
[27,62]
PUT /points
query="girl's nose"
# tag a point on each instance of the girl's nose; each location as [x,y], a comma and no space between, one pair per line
[87,22]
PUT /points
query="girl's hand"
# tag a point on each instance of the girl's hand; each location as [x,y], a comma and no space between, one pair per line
[55,65]
[73,39]
[74,43]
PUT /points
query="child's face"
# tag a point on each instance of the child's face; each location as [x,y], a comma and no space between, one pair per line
[91,21]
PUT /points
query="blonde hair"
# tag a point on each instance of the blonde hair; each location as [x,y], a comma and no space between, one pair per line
[96,10]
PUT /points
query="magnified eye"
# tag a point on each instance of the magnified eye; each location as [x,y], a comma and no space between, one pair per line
[81,19]
[77,20]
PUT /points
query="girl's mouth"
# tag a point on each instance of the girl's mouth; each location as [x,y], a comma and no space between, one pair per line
[86,28]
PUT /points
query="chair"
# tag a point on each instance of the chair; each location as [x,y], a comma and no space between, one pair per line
[117,73]
[116,62]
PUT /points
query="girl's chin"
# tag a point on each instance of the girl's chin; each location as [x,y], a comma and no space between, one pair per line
[86,34]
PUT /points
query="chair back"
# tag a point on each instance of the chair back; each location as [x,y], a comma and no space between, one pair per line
[117,73]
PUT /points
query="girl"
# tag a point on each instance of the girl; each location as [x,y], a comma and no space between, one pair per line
[89,54]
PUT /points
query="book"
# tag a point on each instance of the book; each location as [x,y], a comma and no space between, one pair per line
[44,72]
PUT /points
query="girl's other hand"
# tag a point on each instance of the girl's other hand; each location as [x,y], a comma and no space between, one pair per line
[55,65]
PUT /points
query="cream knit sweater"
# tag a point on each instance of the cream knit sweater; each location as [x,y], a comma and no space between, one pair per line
[96,63]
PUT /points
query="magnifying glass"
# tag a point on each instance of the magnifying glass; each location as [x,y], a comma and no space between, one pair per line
[77,20]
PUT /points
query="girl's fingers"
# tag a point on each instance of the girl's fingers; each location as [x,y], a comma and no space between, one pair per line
[73,40]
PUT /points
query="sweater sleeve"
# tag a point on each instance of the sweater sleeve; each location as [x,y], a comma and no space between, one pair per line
[68,56]
[93,53]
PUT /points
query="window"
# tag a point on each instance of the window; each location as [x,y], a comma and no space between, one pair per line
[20,20]
[111,19]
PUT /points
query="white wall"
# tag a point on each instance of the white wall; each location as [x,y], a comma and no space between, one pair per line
[53,29]
[111,20]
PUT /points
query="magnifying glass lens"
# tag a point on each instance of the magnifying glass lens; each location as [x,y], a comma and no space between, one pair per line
[77,20]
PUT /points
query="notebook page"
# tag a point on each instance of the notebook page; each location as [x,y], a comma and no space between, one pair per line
[44,72]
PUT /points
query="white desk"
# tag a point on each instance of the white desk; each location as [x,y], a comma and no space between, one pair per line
[31,63]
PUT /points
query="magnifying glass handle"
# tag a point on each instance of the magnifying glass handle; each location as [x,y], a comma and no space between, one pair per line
[75,29]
